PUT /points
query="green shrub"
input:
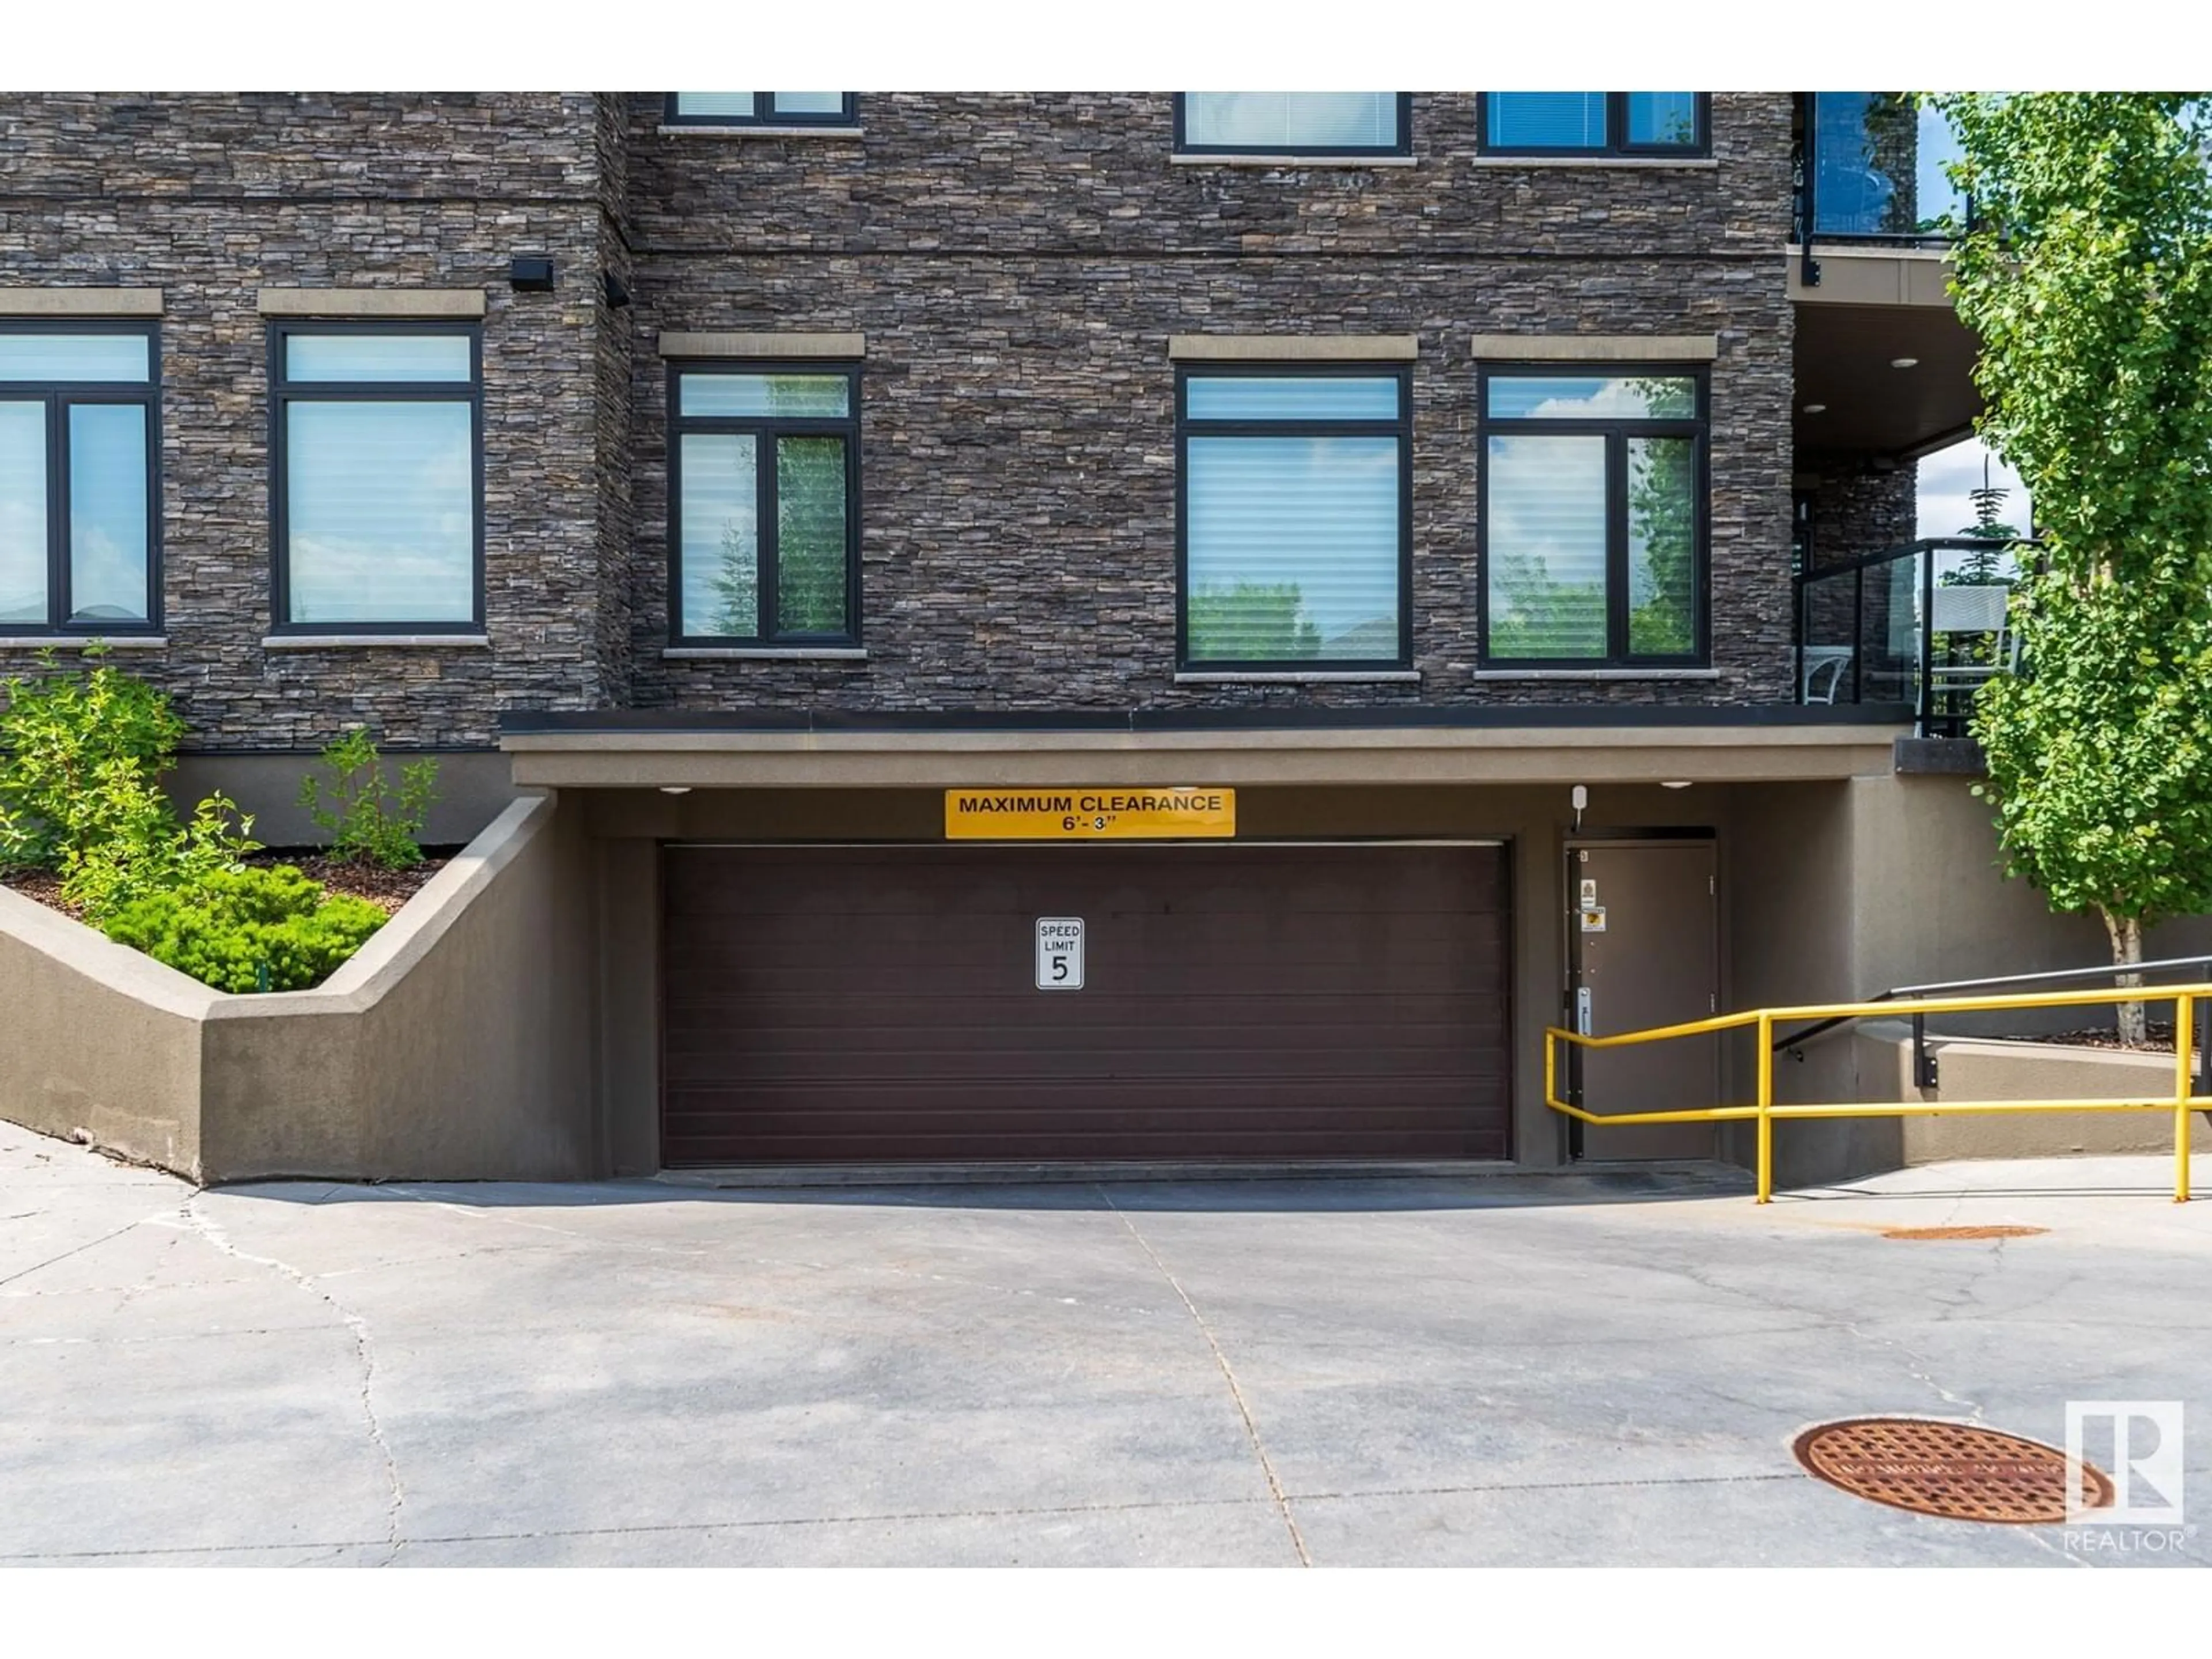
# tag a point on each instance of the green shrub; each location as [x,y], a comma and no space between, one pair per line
[253,928]
[366,819]
[142,851]
[82,755]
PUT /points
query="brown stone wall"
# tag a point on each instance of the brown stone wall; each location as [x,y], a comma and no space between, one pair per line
[1019,263]
[209,198]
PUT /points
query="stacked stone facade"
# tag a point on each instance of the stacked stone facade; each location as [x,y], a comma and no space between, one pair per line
[209,199]
[1018,264]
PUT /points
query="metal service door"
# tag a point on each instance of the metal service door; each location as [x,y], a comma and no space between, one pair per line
[1644,950]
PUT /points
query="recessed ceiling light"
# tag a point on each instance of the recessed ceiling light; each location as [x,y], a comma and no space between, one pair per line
[1675,783]
[675,788]
[1816,408]
[1904,362]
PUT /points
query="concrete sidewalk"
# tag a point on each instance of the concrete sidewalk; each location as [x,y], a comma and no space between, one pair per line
[1527,1370]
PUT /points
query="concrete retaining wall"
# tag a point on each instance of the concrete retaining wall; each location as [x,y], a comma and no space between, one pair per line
[456,1045]
[1875,1064]
[98,1042]
[1969,1070]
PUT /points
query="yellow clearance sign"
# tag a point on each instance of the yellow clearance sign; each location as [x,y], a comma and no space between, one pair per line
[1088,814]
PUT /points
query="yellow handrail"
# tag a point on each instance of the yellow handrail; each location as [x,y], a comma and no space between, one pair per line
[1765,1111]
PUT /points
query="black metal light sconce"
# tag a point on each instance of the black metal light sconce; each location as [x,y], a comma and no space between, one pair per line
[530,275]
[617,292]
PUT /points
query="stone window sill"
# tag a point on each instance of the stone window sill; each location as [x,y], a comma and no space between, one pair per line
[1300,677]
[1692,163]
[78,641]
[1587,675]
[376,643]
[766,654]
[698,130]
[1300,162]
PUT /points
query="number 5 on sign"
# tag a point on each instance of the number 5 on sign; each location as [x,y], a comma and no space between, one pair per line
[1060,953]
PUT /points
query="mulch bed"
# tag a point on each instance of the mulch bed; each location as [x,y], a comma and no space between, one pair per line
[385,888]
[41,884]
[2158,1040]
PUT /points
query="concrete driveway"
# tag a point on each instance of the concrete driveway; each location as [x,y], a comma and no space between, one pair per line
[1531,1369]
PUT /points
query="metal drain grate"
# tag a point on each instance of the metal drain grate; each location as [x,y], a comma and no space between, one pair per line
[1957,1470]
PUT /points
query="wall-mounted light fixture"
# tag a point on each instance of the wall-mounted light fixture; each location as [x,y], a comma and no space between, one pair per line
[529,274]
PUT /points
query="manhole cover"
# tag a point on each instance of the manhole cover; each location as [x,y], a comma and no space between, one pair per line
[1963,1233]
[1958,1470]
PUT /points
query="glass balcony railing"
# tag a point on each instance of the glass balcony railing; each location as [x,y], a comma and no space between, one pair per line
[1922,626]
[1870,168]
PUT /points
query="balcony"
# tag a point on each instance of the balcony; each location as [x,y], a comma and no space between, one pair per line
[1870,169]
[1925,625]
[1884,366]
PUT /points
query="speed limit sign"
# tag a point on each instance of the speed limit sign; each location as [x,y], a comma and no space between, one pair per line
[1060,953]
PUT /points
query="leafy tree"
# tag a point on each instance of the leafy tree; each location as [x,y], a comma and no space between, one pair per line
[736,586]
[810,508]
[1250,622]
[810,522]
[1534,614]
[1663,506]
[2088,274]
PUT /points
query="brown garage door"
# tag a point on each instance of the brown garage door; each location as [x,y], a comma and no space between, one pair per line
[879,1004]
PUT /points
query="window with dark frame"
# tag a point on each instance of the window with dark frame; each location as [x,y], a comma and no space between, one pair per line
[376,445]
[80,521]
[764,534]
[1294,517]
[1293,123]
[1537,123]
[1592,516]
[760,109]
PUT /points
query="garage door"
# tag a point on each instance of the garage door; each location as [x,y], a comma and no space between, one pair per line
[880,1005]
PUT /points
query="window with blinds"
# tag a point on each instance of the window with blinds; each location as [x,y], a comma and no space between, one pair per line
[759,109]
[379,478]
[1593,514]
[764,490]
[1296,502]
[78,542]
[1292,123]
[1595,122]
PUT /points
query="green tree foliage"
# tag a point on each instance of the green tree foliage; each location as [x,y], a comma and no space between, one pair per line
[1662,509]
[367,820]
[2088,274]
[810,542]
[1534,614]
[810,516]
[251,929]
[1250,622]
[83,752]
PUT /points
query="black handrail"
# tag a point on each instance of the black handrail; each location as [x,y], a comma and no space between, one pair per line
[1924,1063]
